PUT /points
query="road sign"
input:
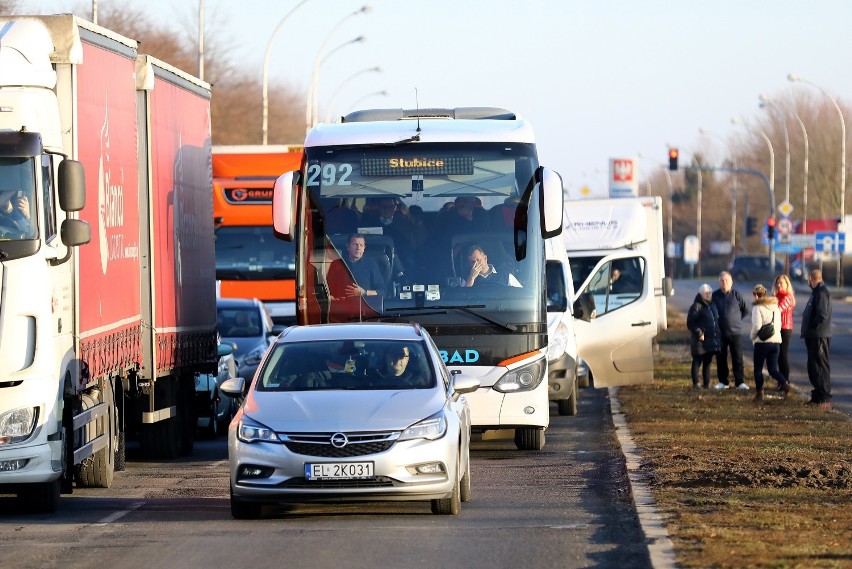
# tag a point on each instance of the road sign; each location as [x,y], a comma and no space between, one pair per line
[691,249]
[806,241]
[785,226]
[829,242]
[785,208]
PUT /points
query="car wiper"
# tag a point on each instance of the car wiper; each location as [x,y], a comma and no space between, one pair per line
[467,309]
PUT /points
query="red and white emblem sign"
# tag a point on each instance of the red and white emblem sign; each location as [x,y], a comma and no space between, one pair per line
[622,170]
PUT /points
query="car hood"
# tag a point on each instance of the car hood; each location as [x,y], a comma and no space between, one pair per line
[334,410]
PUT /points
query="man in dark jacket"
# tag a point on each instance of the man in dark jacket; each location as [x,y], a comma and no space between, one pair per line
[732,310]
[703,324]
[816,330]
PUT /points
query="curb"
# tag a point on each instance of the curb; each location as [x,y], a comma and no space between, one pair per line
[660,546]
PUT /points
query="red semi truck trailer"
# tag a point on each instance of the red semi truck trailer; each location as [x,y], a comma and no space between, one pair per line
[99,339]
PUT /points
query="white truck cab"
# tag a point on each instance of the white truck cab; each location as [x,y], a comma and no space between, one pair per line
[615,248]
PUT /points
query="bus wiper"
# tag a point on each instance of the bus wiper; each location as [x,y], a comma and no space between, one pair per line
[465,308]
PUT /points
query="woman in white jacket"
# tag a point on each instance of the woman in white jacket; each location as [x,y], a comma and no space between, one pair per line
[766,311]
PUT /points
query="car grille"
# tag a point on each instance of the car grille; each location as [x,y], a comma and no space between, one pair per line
[358,444]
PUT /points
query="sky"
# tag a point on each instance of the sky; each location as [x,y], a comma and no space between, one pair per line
[596,79]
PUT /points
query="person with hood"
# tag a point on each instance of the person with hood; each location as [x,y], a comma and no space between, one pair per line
[732,310]
[703,324]
[766,351]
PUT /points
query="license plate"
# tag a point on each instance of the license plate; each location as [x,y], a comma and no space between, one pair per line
[338,470]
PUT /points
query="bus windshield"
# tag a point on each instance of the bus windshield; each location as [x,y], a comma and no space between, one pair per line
[252,253]
[429,232]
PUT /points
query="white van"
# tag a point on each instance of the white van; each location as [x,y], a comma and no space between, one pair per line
[563,363]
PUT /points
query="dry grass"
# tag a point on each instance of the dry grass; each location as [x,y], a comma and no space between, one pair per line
[742,484]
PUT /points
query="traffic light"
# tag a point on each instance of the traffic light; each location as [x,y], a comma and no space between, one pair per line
[673,159]
[770,228]
[751,226]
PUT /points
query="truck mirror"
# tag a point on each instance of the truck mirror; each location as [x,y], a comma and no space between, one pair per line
[668,286]
[284,207]
[72,185]
[75,232]
[551,203]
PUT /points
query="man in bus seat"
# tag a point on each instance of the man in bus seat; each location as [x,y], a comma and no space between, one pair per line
[395,223]
[482,272]
[358,276]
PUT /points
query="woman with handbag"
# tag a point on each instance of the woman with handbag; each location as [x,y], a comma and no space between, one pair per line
[766,336]
[786,303]
[703,323]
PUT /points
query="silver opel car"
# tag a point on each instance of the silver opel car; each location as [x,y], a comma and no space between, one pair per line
[350,412]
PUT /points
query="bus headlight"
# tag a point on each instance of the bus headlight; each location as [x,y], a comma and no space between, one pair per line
[17,425]
[524,378]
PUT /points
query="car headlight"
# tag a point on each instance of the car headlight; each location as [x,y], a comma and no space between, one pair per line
[524,378]
[250,431]
[17,425]
[557,342]
[431,428]
[253,357]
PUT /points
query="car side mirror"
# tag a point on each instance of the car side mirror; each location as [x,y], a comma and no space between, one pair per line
[233,387]
[464,384]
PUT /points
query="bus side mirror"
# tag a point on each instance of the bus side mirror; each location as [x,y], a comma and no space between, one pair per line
[551,203]
[284,207]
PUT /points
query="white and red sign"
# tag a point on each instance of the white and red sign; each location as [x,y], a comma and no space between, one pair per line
[623,179]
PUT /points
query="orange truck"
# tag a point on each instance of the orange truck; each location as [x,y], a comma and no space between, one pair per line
[250,261]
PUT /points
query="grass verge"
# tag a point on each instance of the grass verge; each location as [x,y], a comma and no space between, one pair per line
[741,483]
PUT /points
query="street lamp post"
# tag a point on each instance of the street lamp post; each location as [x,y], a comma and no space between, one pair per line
[309,111]
[265,88]
[771,183]
[805,179]
[766,101]
[315,86]
[343,83]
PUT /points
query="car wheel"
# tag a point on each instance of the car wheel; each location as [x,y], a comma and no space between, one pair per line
[450,506]
[465,483]
[529,438]
[244,510]
[568,406]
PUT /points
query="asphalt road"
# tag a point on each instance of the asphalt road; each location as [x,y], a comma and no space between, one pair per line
[567,506]
[840,356]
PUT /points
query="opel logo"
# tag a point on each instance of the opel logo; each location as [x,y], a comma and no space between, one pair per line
[339,440]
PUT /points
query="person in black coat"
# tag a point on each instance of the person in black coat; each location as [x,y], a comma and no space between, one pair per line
[703,324]
[816,330]
[732,310]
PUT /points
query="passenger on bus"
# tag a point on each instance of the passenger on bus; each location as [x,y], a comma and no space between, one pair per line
[482,272]
[395,224]
[358,276]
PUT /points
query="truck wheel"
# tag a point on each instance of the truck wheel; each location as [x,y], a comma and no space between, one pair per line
[187,412]
[40,498]
[529,438]
[97,472]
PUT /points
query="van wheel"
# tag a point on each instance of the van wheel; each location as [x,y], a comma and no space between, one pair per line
[529,438]
[568,406]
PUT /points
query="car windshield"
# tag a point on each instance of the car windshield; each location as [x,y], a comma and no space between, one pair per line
[239,322]
[347,364]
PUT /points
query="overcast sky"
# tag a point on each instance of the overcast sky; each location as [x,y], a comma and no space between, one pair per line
[597,79]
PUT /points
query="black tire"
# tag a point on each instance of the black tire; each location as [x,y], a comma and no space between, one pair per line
[529,438]
[187,412]
[161,439]
[583,381]
[40,498]
[568,406]
[211,431]
[465,489]
[449,506]
[121,453]
[227,417]
[245,510]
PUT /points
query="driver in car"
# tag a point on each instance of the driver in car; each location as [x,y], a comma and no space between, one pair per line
[15,212]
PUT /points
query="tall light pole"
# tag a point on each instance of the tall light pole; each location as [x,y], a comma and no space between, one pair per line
[739,121]
[805,179]
[309,112]
[793,77]
[671,208]
[766,101]
[733,191]
[266,55]
[343,84]
[315,86]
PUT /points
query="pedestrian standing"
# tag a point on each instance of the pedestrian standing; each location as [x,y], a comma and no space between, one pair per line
[732,310]
[766,349]
[783,291]
[703,324]
[816,330]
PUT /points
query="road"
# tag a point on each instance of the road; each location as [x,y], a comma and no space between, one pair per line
[567,506]
[841,330]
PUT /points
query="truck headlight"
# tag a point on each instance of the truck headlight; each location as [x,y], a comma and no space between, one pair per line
[431,428]
[17,425]
[557,342]
[524,378]
[250,431]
